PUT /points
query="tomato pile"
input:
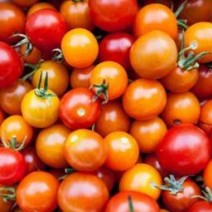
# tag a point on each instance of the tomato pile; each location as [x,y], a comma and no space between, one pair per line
[106,105]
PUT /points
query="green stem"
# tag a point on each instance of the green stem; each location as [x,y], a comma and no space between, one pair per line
[182,24]
[180,8]
[131,208]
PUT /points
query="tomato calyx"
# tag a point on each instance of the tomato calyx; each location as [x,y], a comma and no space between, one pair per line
[14,144]
[24,40]
[43,92]
[57,55]
[189,62]
[207,195]
[100,90]
[172,185]
[8,193]
[182,23]
[67,171]
[130,204]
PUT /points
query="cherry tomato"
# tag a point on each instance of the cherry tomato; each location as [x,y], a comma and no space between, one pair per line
[24,3]
[148,134]
[58,78]
[37,192]
[75,46]
[77,14]
[78,109]
[181,108]
[110,79]
[81,77]
[50,144]
[12,166]
[201,33]
[120,202]
[113,15]
[82,192]
[11,66]
[207,174]
[140,178]
[144,99]
[201,206]
[150,55]
[16,129]
[112,118]
[116,47]
[11,97]
[155,17]
[187,147]
[5,206]
[12,21]
[85,150]
[43,23]
[123,151]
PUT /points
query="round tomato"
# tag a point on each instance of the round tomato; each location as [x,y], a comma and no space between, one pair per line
[80,48]
[45,29]
[82,192]
[78,109]
[155,17]
[12,166]
[113,15]
[123,201]
[123,151]
[201,206]
[207,174]
[85,150]
[50,144]
[187,147]
[37,192]
[141,178]
[11,66]
[144,99]
[150,55]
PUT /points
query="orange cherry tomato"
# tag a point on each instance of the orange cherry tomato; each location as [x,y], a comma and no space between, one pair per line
[205,119]
[12,20]
[179,81]
[155,17]
[15,129]
[50,144]
[150,55]
[148,133]
[110,79]
[58,78]
[80,48]
[201,33]
[181,108]
[207,174]
[81,77]
[112,118]
[85,150]
[144,99]
[77,14]
[10,98]
[141,178]
[39,6]
[123,151]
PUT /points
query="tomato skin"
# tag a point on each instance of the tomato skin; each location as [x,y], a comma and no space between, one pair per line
[155,17]
[43,23]
[116,47]
[186,146]
[139,178]
[12,166]
[207,174]
[119,202]
[12,21]
[11,65]
[82,192]
[140,103]
[149,55]
[113,16]
[77,110]
[183,199]
[39,112]
[200,32]
[201,206]
[11,97]
[85,150]
[37,192]
[75,46]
